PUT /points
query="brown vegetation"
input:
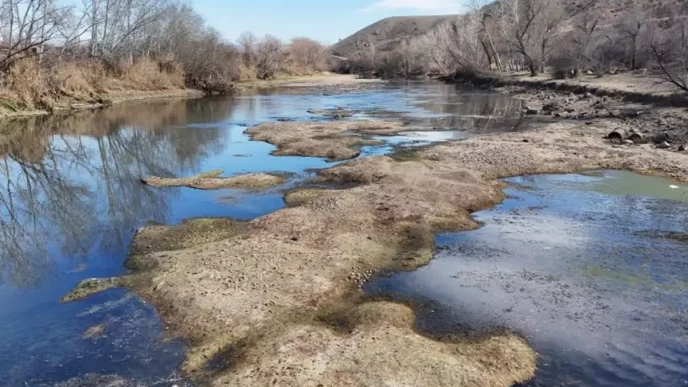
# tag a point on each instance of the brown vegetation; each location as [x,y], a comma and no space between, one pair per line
[147,45]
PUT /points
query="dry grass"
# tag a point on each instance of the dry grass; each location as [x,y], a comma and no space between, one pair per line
[247,73]
[147,74]
[28,86]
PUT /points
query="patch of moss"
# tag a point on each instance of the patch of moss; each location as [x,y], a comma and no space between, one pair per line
[193,232]
[406,154]
[596,271]
[91,286]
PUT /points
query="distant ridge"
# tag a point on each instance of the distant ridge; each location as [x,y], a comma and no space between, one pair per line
[386,34]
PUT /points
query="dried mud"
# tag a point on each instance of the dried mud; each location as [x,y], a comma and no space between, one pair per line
[256,300]
[211,180]
[326,139]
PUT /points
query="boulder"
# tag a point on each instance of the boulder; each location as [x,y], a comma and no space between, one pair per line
[661,138]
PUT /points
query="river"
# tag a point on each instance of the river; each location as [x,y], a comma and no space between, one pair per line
[590,268]
[71,201]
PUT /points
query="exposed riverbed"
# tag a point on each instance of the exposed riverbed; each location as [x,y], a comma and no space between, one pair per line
[72,200]
[591,268]
[587,267]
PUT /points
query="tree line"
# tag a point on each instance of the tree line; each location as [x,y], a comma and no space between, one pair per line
[51,49]
[568,37]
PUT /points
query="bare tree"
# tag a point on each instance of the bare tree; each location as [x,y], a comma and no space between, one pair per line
[247,43]
[669,48]
[307,55]
[116,23]
[520,21]
[632,25]
[28,26]
[269,57]
[548,28]
[584,35]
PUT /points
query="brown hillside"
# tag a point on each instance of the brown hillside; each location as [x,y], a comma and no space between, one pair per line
[385,34]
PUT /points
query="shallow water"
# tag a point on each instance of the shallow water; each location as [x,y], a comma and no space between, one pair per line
[71,200]
[590,268]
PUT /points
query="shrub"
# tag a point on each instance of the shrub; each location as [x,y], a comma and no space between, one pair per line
[27,83]
[146,74]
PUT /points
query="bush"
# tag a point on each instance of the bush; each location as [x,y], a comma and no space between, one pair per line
[146,74]
[28,84]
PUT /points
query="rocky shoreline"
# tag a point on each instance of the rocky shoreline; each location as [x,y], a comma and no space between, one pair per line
[658,119]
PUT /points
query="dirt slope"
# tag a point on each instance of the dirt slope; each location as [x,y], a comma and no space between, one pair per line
[387,33]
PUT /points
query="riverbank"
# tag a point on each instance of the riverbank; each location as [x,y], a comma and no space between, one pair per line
[629,87]
[308,81]
[290,279]
[71,105]
[637,104]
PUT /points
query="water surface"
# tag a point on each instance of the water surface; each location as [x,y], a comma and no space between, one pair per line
[591,268]
[71,200]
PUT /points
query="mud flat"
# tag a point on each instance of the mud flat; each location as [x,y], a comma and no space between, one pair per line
[322,139]
[211,180]
[277,300]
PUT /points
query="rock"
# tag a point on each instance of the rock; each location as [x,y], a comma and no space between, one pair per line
[663,145]
[682,148]
[551,107]
[531,112]
[628,142]
[598,105]
[660,138]
[336,113]
[526,140]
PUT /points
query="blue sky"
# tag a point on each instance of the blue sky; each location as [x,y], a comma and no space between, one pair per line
[323,20]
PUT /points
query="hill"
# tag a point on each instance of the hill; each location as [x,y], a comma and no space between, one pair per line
[385,34]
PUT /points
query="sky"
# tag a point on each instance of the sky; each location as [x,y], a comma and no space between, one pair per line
[324,20]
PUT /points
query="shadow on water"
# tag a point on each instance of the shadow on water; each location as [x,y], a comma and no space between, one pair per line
[581,265]
[71,200]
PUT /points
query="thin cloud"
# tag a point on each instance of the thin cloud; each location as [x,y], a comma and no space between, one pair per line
[414,5]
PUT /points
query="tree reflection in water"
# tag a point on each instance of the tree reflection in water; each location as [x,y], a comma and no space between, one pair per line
[69,186]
